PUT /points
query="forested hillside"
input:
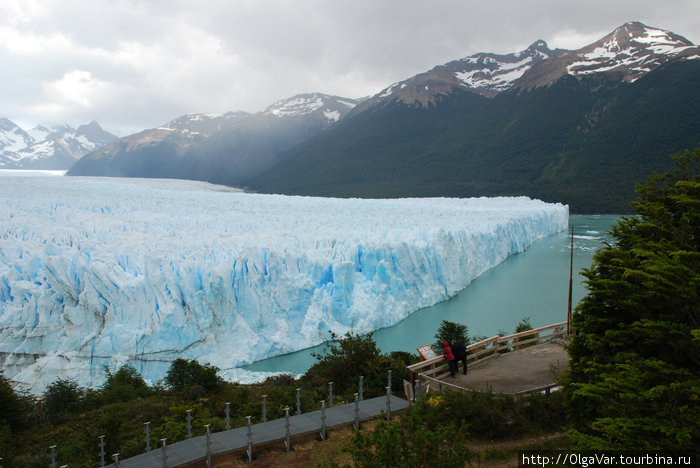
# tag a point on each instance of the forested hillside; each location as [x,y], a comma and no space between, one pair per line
[584,141]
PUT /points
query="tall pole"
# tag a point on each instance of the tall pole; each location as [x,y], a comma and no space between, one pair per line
[571,282]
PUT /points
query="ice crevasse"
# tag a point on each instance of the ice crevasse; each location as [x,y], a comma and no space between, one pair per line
[101,272]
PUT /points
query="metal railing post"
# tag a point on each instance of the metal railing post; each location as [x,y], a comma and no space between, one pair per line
[208,434]
[357,412]
[148,435]
[165,452]
[249,450]
[388,403]
[53,456]
[330,394]
[298,401]
[228,415]
[115,457]
[287,438]
[361,390]
[323,419]
[389,381]
[189,424]
[264,408]
[102,450]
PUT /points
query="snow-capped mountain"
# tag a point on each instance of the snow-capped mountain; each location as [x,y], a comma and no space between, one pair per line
[227,148]
[632,48]
[490,74]
[12,138]
[575,126]
[330,108]
[631,51]
[201,124]
[182,132]
[485,73]
[194,128]
[48,148]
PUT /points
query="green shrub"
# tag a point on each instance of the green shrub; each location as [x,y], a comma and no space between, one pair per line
[124,385]
[451,331]
[346,359]
[490,416]
[174,428]
[62,399]
[183,374]
[12,408]
[524,325]
[391,444]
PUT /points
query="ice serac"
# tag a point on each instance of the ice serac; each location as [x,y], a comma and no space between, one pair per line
[102,272]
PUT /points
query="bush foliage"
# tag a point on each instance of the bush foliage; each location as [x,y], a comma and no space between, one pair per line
[347,358]
[72,417]
[451,331]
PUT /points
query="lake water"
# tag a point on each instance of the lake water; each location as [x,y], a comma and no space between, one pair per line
[532,284]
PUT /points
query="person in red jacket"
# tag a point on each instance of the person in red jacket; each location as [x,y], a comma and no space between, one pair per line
[447,352]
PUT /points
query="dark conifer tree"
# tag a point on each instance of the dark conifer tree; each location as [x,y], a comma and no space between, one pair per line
[634,381]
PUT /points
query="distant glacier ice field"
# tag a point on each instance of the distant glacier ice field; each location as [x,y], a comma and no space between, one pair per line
[101,272]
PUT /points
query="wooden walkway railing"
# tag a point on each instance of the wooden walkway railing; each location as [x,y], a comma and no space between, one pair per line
[204,448]
[436,368]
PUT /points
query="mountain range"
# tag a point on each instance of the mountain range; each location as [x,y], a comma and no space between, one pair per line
[48,148]
[226,149]
[579,127]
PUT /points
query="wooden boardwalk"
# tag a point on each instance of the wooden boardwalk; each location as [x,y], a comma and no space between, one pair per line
[518,371]
[519,363]
[194,450]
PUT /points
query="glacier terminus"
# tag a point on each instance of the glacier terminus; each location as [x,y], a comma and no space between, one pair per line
[98,272]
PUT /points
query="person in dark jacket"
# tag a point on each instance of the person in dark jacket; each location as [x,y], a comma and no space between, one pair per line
[447,352]
[460,353]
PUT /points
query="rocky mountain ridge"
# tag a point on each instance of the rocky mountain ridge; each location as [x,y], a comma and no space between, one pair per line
[226,148]
[48,148]
[577,127]
[630,51]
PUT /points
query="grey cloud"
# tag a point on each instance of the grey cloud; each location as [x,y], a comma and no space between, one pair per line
[146,62]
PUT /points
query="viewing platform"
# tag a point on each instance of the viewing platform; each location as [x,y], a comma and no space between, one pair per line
[524,362]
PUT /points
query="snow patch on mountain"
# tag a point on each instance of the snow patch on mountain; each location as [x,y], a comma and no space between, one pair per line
[332,108]
[332,115]
[297,106]
[192,125]
[494,75]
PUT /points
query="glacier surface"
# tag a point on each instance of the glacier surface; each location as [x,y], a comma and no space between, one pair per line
[99,272]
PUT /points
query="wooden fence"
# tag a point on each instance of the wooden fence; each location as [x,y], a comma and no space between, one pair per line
[436,368]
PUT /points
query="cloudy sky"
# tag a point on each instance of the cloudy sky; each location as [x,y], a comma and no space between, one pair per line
[135,64]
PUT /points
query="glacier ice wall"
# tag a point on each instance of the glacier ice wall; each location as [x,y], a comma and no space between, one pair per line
[102,272]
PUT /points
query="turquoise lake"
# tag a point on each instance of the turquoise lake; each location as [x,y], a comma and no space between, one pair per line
[532,284]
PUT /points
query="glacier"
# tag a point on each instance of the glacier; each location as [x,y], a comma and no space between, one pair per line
[98,272]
